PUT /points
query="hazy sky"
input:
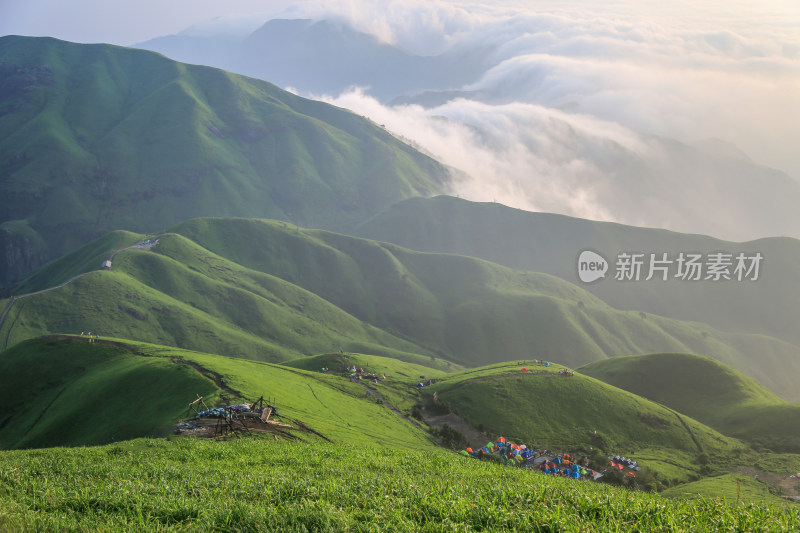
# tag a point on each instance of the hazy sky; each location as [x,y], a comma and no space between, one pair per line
[611,71]
[120,21]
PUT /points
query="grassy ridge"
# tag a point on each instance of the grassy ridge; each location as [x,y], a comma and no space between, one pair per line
[267,290]
[397,369]
[70,392]
[537,407]
[148,485]
[340,410]
[187,296]
[708,391]
[64,393]
[473,311]
[95,393]
[550,243]
[541,406]
[88,259]
[98,137]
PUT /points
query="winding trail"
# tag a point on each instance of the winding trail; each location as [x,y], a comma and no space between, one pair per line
[394,409]
[689,430]
[141,245]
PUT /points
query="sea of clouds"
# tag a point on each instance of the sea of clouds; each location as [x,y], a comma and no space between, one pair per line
[574,88]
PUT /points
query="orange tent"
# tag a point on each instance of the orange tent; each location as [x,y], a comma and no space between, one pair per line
[469,450]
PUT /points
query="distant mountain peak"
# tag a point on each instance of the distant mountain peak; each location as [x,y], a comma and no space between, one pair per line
[720,148]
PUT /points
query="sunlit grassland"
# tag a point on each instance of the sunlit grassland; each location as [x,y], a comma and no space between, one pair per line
[260,485]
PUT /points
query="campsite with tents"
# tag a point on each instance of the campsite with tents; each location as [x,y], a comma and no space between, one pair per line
[326,426]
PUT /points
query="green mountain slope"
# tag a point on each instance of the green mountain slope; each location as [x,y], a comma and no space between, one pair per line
[66,391]
[96,137]
[556,411]
[403,370]
[476,312]
[708,391]
[270,291]
[550,243]
[198,301]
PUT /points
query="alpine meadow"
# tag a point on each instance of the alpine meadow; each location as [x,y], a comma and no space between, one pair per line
[402,267]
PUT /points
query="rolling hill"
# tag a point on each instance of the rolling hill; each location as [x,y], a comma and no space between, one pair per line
[115,389]
[541,406]
[550,243]
[343,441]
[267,290]
[68,392]
[708,391]
[94,138]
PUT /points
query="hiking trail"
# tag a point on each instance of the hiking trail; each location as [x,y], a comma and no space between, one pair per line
[143,245]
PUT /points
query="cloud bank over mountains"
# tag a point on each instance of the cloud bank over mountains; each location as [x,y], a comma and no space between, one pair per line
[681,115]
[577,112]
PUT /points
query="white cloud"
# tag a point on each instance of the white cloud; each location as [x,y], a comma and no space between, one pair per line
[518,154]
[682,70]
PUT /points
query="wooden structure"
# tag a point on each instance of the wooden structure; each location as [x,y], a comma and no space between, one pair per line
[231,420]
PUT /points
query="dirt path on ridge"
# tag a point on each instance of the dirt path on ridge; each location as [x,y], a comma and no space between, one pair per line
[140,245]
[392,408]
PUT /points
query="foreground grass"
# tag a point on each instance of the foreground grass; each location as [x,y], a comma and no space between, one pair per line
[261,485]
